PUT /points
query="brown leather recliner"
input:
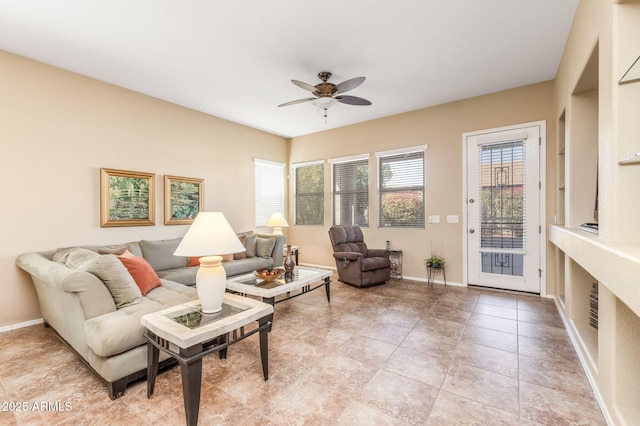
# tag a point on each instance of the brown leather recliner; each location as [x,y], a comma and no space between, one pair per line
[357,264]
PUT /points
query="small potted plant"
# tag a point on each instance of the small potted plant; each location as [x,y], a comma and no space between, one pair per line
[435,261]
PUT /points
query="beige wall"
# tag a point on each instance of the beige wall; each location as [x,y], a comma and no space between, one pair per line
[440,127]
[58,128]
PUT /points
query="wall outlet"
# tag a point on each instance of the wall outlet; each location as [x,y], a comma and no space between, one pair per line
[434,218]
[452,218]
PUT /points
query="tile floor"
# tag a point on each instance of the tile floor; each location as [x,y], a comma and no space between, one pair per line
[398,354]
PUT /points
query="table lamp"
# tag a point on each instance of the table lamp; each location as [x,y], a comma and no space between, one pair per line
[208,236]
[277,221]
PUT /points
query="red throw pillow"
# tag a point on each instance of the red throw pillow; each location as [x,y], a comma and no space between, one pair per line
[142,273]
[194,261]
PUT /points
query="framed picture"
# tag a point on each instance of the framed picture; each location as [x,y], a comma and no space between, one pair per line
[126,198]
[183,199]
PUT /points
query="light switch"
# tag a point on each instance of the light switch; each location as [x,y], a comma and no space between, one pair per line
[434,218]
[452,218]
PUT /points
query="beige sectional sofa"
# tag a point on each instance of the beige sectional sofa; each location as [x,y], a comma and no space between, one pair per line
[86,296]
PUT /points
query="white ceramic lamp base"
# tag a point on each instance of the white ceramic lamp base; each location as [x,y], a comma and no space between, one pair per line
[211,283]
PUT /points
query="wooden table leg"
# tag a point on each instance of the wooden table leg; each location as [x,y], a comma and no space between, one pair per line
[153,354]
[264,345]
[327,288]
[191,383]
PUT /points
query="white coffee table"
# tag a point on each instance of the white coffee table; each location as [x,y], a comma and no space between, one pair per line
[301,281]
[187,335]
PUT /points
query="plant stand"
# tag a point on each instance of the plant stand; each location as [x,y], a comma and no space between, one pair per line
[395,257]
[431,274]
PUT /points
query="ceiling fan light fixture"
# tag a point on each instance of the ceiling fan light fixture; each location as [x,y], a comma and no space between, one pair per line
[324,93]
[324,102]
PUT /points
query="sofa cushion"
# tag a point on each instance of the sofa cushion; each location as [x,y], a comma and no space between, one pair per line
[115,276]
[264,246]
[159,254]
[119,331]
[117,251]
[244,266]
[143,274]
[186,275]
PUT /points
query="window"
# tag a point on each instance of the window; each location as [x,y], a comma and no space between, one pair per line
[269,190]
[309,193]
[401,188]
[350,190]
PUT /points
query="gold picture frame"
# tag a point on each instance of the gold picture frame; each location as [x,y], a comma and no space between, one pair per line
[126,198]
[183,199]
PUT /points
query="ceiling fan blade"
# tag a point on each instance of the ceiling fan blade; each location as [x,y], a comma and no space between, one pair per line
[350,84]
[299,101]
[352,100]
[305,86]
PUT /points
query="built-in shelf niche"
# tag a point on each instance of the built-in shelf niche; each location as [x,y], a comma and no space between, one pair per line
[627,361]
[560,276]
[560,171]
[581,147]
[625,224]
[580,286]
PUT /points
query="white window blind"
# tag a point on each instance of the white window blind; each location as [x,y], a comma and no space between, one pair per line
[269,189]
[350,190]
[401,188]
[309,193]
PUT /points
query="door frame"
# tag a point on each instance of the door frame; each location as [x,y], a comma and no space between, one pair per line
[542,124]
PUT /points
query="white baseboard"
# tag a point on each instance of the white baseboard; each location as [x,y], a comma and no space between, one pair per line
[575,339]
[21,325]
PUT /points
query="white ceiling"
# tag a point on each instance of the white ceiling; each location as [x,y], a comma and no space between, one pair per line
[235,59]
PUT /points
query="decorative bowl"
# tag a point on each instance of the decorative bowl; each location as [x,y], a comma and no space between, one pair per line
[275,274]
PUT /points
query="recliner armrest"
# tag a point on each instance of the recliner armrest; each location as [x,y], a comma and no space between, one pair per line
[349,255]
[377,253]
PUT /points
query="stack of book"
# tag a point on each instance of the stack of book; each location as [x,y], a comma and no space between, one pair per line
[593,309]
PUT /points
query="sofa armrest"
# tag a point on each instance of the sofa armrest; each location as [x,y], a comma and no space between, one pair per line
[52,278]
[377,253]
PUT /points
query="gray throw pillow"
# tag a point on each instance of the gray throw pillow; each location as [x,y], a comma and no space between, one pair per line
[264,246]
[250,245]
[116,277]
[79,256]
[62,254]
[159,254]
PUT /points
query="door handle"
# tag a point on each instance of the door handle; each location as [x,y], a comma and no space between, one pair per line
[471,231]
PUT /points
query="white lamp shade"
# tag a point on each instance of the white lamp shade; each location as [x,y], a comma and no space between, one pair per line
[209,234]
[277,220]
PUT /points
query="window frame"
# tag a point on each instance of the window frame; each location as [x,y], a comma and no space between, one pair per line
[294,172]
[346,160]
[380,155]
[263,203]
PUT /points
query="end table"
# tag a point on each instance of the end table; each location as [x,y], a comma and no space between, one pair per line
[187,334]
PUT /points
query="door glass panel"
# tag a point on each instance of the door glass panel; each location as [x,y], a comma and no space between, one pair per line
[502,216]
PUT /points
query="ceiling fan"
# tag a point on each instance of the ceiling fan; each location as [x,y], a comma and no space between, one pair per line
[327,94]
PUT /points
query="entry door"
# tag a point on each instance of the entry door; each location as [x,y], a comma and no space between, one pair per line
[503,209]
